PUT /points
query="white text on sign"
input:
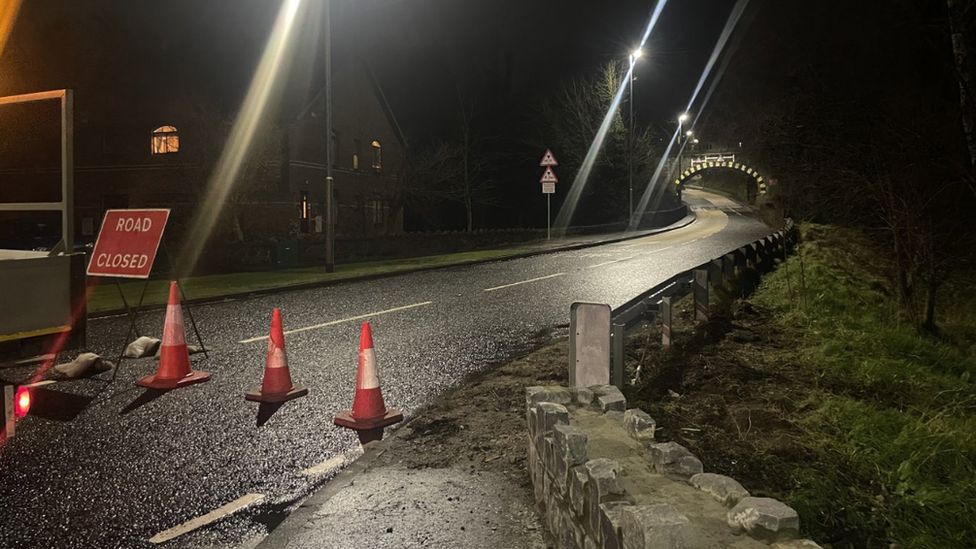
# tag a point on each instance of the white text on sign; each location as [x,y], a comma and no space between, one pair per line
[133,224]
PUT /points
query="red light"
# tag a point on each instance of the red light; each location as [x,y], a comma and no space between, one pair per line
[22,402]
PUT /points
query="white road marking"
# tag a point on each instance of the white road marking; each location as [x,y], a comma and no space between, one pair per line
[523,282]
[340,321]
[659,250]
[41,383]
[326,466]
[204,520]
[610,262]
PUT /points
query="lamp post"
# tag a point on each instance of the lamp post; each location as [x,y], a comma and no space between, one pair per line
[634,56]
[329,181]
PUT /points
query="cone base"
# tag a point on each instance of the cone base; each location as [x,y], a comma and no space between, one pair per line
[152,382]
[273,398]
[346,420]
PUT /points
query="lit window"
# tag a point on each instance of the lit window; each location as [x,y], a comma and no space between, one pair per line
[377,155]
[165,140]
[355,161]
[377,209]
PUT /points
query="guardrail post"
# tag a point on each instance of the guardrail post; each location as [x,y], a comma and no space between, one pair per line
[666,322]
[751,255]
[700,292]
[715,273]
[741,264]
[617,344]
[728,269]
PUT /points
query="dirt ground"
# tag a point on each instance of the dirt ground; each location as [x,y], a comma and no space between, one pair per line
[482,422]
[714,393]
[717,394]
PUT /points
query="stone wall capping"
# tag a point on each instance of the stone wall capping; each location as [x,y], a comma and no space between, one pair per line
[584,503]
[671,458]
[639,424]
[657,526]
[796,544]
[725,490]
[556,394]
[765,518]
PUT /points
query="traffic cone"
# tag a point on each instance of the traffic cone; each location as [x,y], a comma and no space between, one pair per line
[174,358]
[276,386]
[369,414]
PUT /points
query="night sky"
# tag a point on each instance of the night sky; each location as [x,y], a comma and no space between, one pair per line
[423,51]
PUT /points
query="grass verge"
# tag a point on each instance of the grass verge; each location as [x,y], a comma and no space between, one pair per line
[817,392]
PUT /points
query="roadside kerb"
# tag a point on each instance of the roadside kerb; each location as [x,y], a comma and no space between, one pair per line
[687,220]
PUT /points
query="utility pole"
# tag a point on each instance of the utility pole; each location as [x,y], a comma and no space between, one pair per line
[329,182]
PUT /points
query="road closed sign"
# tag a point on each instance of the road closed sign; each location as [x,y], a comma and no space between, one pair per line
[127,243]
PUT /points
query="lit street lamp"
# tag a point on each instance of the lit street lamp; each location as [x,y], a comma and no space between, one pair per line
[634,56]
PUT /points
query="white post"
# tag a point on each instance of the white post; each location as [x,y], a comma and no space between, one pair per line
[548,217]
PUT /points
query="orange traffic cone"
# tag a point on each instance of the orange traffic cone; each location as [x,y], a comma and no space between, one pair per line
[276,386]
[369,414]
[174,358]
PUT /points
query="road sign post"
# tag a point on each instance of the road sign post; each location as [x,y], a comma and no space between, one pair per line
[548,181]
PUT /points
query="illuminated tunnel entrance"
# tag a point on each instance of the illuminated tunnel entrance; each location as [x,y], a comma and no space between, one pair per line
[699,167]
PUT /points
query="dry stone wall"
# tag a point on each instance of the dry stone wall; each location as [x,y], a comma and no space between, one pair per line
[601,481]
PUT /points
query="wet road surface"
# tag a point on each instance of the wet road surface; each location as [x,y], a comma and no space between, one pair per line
[112,465]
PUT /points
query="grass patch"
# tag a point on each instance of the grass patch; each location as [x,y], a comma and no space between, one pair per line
[105,297]
[891,419]
[818,392]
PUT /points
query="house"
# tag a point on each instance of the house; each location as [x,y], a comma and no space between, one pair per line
[153,113]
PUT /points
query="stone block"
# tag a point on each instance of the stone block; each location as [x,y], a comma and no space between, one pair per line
[671,458]
[639,425]
[602,486]
[584,395]
[725,490]
[658,526]
[796,544]
[538,483]
[577,489]
[532,457]
[531,421]
[556,394]
[548,415]
[610,514]
[571,442]
[609,397]
[549,455]
[764,518]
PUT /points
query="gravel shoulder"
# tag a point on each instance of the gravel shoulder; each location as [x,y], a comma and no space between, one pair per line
[453,476]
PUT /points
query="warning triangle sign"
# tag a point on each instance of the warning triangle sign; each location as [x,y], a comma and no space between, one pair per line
[548,159]
[549,176]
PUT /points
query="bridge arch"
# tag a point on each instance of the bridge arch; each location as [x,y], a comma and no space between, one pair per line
[699,167]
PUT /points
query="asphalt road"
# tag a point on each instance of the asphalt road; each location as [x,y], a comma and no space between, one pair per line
[110,465]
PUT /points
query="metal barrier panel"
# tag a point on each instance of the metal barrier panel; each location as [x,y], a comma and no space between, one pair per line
[39,296]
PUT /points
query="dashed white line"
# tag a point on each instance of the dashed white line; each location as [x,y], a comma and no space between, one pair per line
[610,262]
[523,282]
[340,321]
[41,383]
[333,463]
[212,516]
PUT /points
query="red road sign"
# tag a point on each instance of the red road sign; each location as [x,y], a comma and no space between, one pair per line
[548,159]
[549,176]
[127,243]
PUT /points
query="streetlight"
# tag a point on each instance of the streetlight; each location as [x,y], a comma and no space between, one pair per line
[683,117]
[634,56]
